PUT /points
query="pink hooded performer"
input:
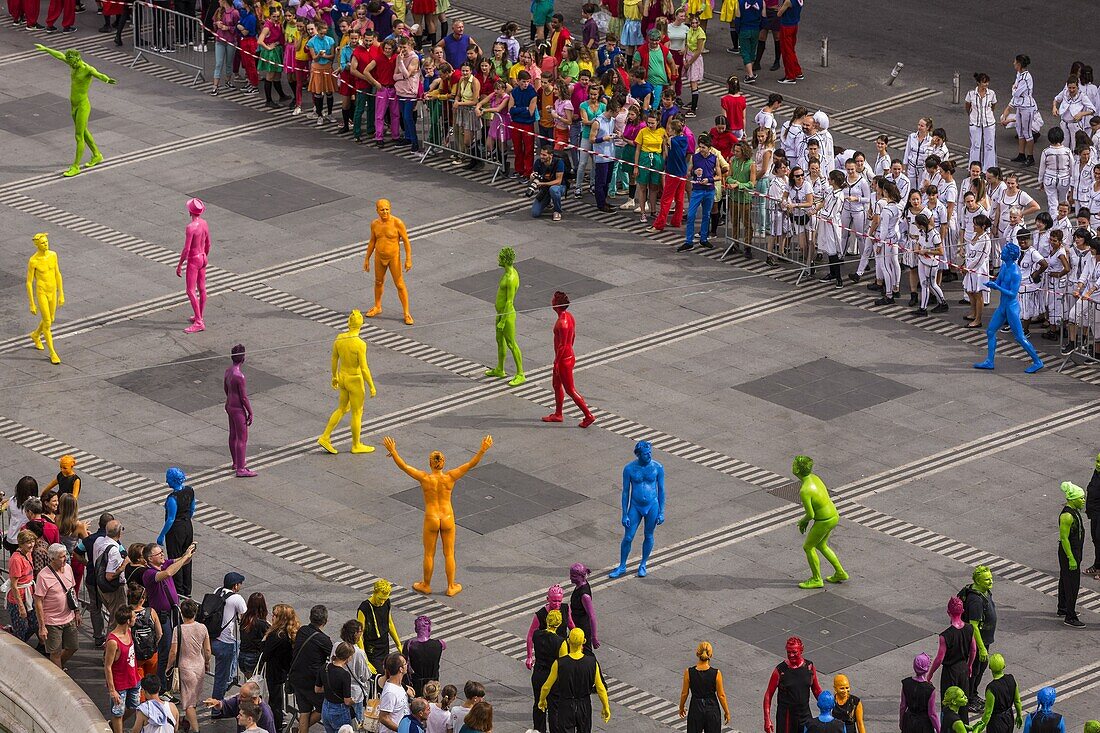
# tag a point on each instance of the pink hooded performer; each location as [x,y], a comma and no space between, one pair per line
[196,250]
[239,410]
[554,597]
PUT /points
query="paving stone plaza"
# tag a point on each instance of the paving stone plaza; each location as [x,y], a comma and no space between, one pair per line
[729,368]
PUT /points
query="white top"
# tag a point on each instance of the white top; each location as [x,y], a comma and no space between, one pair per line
[1029,263]
[1092,203]
[16,520]
[1055,165]
[765,119]
[888,222]
[929,240]
[916,150]
[882,165]
[793,141]
[394,701]
[859,189]
[438,719]
[981,108]
[458,715]
[828,151]
[1023,90]
[677,36]
[977,254]
[235,606]
[1072,106]
[114,560]
[903,184]
[967,219]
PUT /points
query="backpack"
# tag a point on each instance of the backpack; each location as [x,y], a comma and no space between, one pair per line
[144,633]
[963,595]
[212,610]
[103,583]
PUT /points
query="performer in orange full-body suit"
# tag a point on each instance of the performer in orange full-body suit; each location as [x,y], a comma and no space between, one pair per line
[439,514]
[387,234]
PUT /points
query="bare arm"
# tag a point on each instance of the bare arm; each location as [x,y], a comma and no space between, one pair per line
[403,234]
[457,473]
[391,447]
[364,369]
[52,52]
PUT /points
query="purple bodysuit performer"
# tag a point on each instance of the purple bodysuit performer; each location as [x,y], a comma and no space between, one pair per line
[239,410]
[196,250]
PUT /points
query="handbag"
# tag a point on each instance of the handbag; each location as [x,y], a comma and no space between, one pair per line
[259,678]
[70,593]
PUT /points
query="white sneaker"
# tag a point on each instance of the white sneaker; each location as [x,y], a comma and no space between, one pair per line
[637,209]
[320,121]
[310,113]
[328,118]
[297,111]
[628,205]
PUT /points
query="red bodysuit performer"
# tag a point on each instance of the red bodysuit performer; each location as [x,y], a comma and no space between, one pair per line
[565,331]
[794,679]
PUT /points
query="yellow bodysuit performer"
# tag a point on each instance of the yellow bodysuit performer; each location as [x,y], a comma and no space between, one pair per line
[439,514]
[350,376]
[387,234]
[45,291]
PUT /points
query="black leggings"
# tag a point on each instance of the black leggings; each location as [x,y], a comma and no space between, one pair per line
[704,716]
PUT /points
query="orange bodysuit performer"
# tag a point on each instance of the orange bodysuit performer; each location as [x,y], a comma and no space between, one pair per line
[350,377]
[387,234]
[46,293]
[439,514]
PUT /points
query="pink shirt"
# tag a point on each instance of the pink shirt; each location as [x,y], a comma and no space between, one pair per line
[55,608]
[21,572]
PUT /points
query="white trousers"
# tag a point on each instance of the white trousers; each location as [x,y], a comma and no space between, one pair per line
[927,275]
[983,145]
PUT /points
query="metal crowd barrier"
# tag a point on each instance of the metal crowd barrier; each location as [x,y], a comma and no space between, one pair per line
[465,135]
[763,226]
[1079,337]
[164,34]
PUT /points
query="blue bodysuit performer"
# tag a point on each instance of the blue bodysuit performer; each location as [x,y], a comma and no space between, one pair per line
[178,533]
[643,499]
[1008,310]
[825,722]
[1044,719]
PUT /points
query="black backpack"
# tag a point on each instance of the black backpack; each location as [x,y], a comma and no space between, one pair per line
[964,594]
[144,634]
[212,610]
[103,583]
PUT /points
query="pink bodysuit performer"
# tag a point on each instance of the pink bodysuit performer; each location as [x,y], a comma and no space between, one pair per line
[554,597]
[196,250]
[239,410]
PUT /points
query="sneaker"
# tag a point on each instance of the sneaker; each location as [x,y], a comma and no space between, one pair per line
[775,66]
[1067,347]
[874,287]
[800,77]
[229,84]
[627,205]
[839,284]
[168,49]
[733,49]
[1074,623]
[854,277]
[201,48]
[706,245]
[320,120]
[941,308]
[249,89]
[751,79]
[690,114]
[328,118]
[788,81]
[310,113]
[1031,161]
[685,247]
[576,193]
[884,301]
[49,28]
[556,216]
[379,144]
[214,92]
[34,27]
[1019,158]
[297,111]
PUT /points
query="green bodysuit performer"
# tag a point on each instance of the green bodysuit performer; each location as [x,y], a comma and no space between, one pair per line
[821,511]
[82,76]
[506,318]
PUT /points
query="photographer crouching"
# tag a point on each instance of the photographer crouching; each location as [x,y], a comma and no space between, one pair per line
[547,183]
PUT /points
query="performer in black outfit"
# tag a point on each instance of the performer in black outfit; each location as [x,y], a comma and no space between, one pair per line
[918,704]
[580,606]
[795,680]
[1071,548]
[548,647]
[572,678]
[704,682]
[423,654]
[847,708]
[1002,694]
[378,627]
[957,652]
[826,722]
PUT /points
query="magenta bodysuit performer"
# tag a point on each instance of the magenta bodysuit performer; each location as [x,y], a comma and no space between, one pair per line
[565,331]
[239,410]
[196,250]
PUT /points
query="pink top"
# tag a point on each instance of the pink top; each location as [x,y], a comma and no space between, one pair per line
[229,18]
[55,608]
[21,572]
[406,76]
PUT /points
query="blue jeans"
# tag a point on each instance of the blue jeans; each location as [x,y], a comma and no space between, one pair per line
[603,174]
[168,627]
[574,141]
[699,197]
[408,121]
[223,59]
[334,715]
[539,204]
[225,666]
